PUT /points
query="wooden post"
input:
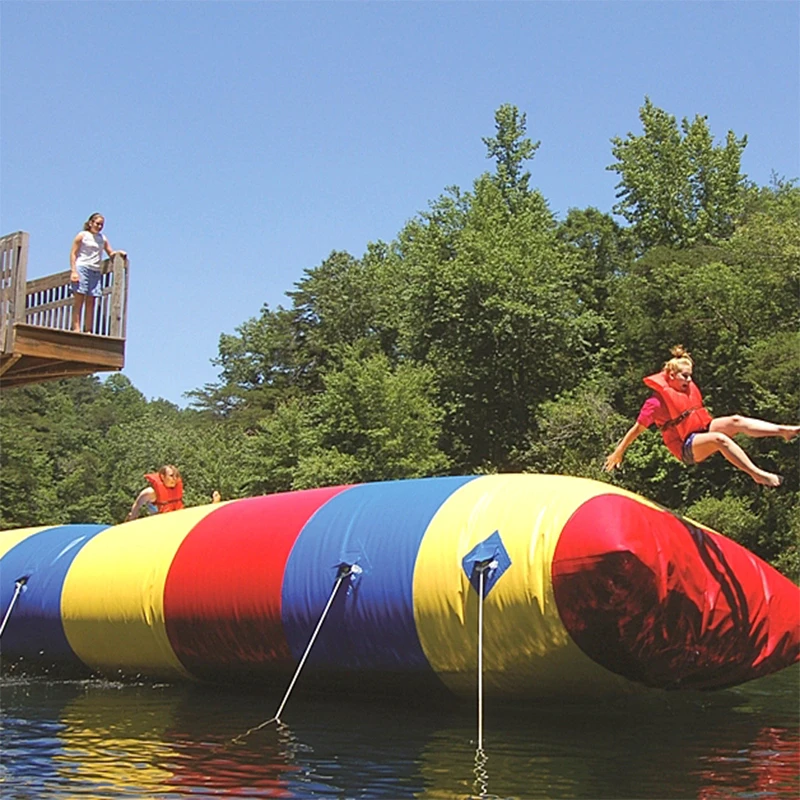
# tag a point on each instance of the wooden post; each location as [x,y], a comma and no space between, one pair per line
[119,295]
[14,249]
[5,289]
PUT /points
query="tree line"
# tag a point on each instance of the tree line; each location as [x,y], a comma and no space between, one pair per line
[488,336]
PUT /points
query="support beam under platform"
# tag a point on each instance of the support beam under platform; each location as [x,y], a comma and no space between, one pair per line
[49,354]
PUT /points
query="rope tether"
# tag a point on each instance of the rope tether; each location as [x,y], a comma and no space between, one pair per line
[481,782]
[481,567]
[345,571]
[17,590]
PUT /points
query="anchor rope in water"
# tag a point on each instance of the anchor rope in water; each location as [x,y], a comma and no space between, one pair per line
[481,571]
[17,591]
[482,567]
[481,774]
[481,782]
[345,571]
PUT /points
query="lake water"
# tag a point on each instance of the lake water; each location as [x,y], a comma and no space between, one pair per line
[97,739]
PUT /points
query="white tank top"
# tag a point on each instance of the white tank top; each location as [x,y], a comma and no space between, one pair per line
[90,250]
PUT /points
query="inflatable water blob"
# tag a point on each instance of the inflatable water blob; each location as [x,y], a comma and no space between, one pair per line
[581,588]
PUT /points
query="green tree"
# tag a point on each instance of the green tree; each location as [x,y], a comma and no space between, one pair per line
[510,149]
[259,367]
[284,353]
[28,494]
[604,253]
[491,302]
[676,187]
[372,422]
[575,430]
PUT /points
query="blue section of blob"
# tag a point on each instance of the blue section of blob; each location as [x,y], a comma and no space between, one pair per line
[378,527]
[41,562]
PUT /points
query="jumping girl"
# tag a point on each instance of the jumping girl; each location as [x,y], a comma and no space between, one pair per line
[688,430]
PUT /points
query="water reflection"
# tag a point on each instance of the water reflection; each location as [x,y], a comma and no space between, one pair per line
[263,768]
[112,737]
[667,750]
[769,767]
[106,740]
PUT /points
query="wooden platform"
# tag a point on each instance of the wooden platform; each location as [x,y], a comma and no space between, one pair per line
[41,354]
[36,343]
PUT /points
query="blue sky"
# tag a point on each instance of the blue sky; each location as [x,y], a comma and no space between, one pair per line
[233,145]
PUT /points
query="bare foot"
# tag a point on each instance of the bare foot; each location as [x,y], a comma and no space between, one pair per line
[789,432]
[768,479]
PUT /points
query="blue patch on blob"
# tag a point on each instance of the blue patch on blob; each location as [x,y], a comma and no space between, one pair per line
[489,555]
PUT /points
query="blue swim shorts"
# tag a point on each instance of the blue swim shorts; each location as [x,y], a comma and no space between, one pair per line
[90,282]
[687,456]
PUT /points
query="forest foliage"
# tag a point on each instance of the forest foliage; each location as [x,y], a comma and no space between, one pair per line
[488,336]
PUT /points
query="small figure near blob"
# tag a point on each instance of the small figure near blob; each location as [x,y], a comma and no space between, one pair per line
[164,494]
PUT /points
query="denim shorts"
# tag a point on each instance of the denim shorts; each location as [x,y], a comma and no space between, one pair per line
[90,282]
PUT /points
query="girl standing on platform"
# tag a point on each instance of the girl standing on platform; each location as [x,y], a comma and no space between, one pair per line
[86,272]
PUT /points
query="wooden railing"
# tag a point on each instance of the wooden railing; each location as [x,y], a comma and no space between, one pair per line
[13,269]
[47,301]
[30,310]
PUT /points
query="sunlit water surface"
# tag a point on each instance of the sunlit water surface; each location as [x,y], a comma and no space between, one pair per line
[96,739]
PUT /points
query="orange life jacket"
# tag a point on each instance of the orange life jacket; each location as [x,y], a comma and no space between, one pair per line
[686,412]
[166,499]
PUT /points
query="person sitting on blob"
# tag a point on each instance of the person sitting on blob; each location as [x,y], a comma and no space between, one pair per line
[688,430]
[165,493]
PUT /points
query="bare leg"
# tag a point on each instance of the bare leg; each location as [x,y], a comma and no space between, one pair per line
[706,444]
[88,319]
[77,304]
[757,428]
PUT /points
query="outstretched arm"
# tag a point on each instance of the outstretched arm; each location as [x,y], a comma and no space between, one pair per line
[615,458]
[147,495]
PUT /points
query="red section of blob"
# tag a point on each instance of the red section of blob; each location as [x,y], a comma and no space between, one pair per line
[661,601]
[222,598]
